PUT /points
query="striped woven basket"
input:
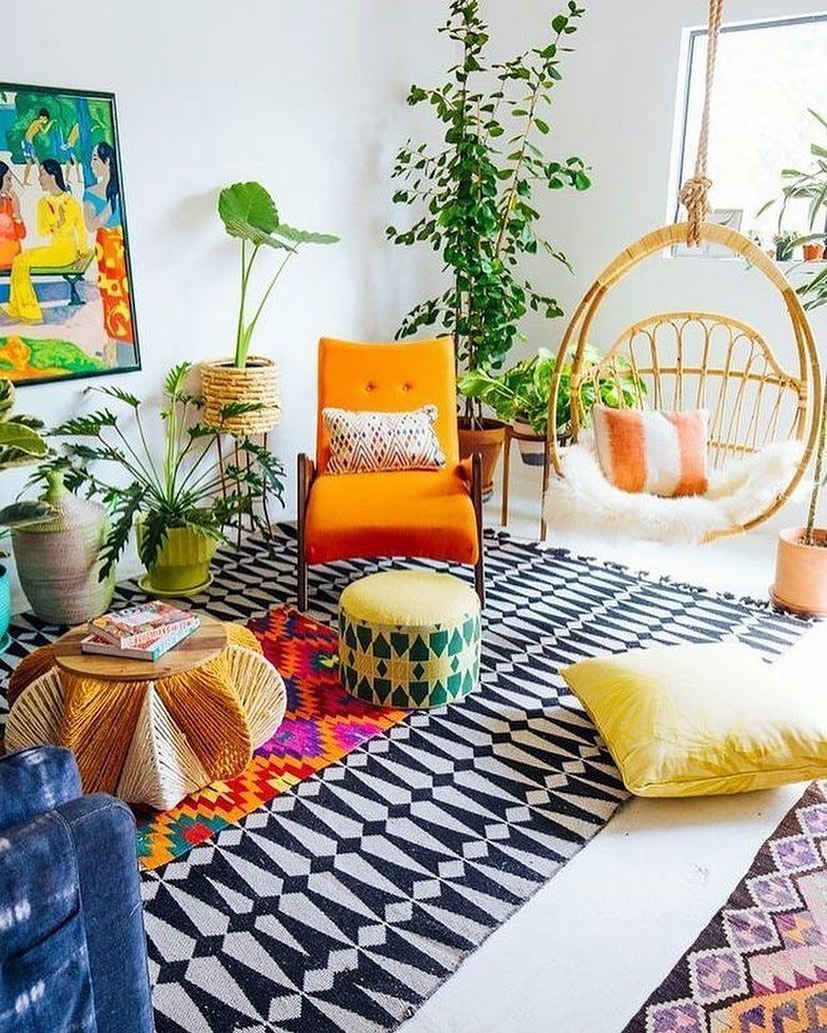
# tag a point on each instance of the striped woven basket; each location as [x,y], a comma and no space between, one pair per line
[223,383]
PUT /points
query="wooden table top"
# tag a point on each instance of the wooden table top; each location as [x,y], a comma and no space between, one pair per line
[202,646]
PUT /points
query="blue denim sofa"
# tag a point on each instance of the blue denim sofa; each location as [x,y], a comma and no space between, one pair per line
[72,944]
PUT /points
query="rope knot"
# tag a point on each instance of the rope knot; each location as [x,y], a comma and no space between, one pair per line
[694,196]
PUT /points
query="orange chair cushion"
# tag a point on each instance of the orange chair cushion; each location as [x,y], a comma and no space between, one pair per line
[395,377]
[425,513]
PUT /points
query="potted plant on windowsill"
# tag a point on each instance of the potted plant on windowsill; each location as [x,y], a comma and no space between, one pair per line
[519,396]
[182,503]
[475,195]
[785,244]
[801,559]
[249,214]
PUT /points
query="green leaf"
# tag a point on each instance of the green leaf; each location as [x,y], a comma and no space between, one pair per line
[22,514]
[247,211]
[174,380]
[303,236]
[23,439]
[7,394]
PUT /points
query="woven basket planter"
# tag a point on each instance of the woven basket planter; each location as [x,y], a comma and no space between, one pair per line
[58,560]
[223,383]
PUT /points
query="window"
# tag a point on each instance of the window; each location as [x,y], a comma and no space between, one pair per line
[768,75]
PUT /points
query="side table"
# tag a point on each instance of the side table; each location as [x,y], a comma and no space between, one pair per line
[512,434]
[150,733]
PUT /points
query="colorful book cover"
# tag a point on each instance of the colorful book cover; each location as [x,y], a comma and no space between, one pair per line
[125,627]
[153,648]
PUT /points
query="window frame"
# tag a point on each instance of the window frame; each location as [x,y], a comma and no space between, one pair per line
[691,36]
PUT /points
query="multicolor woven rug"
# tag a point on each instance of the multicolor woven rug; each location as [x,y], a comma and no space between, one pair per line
[340,905]
[322,724]
[760,966]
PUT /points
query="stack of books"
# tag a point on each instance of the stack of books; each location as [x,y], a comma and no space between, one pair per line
[143,632]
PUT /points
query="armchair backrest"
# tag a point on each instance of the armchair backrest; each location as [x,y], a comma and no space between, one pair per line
[390,377]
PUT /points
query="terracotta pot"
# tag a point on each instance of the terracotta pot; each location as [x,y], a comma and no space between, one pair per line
[489,442]
[531,446]
[801,573]
[222,383]
[813,252]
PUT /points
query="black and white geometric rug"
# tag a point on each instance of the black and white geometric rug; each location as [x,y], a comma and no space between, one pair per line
[342,905]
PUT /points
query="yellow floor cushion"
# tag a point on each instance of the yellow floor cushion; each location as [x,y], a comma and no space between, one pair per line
[698,720]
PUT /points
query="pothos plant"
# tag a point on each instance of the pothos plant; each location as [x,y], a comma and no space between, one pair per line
[186,486]
[521,392]
[474,192]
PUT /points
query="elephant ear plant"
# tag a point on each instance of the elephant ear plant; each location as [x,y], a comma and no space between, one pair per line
[185,487]
[20,445]
[250,215]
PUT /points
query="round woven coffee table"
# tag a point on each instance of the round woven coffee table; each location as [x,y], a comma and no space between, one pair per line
[150,733]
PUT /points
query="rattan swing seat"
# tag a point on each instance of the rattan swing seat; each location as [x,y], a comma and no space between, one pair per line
[763,418]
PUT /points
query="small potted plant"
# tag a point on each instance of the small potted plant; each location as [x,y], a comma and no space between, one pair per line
[20,444]
[181,503]
[785,243]
[249,214]
[813,248]
[519,396]
[801,559]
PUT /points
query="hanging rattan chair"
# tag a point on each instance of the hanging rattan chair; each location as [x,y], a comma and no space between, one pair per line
[696,360]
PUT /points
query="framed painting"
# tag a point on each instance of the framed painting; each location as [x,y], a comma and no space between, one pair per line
[66,304]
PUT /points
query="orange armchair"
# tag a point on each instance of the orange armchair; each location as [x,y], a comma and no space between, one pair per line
[435,514]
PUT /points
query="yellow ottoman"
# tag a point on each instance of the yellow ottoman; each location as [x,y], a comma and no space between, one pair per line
[409,638]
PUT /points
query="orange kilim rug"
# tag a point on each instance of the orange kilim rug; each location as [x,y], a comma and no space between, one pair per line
[322,724]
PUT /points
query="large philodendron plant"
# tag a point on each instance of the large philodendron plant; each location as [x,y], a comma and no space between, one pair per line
[186,486]
[250,214]
[474,191]
[20,445]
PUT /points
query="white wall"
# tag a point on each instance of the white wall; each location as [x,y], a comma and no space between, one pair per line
[309,99]
[306,98]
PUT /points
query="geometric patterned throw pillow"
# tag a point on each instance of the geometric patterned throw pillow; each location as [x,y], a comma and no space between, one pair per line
[366,442]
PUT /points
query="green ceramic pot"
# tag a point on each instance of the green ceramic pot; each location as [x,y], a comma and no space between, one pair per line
[183,564]
[58,560]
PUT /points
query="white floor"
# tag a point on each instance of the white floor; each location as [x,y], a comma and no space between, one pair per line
[586,951]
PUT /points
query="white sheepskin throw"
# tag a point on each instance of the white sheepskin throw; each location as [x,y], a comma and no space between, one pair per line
[583,500]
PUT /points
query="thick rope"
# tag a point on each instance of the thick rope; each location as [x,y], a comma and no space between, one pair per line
[694,195]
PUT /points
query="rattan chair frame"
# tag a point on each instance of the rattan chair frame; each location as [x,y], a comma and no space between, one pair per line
[734,430]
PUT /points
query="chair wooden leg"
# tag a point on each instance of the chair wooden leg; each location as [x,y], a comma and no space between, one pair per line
[476,497]
[301,565]
[506,476]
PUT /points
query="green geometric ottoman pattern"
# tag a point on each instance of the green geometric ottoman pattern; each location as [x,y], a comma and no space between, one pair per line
[409,639]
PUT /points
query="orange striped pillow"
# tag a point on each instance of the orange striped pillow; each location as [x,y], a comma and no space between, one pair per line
[659,453]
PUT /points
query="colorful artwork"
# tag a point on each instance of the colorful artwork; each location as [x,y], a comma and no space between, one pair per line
[66,308]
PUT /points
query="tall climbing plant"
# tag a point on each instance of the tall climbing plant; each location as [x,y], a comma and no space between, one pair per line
[474,192]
